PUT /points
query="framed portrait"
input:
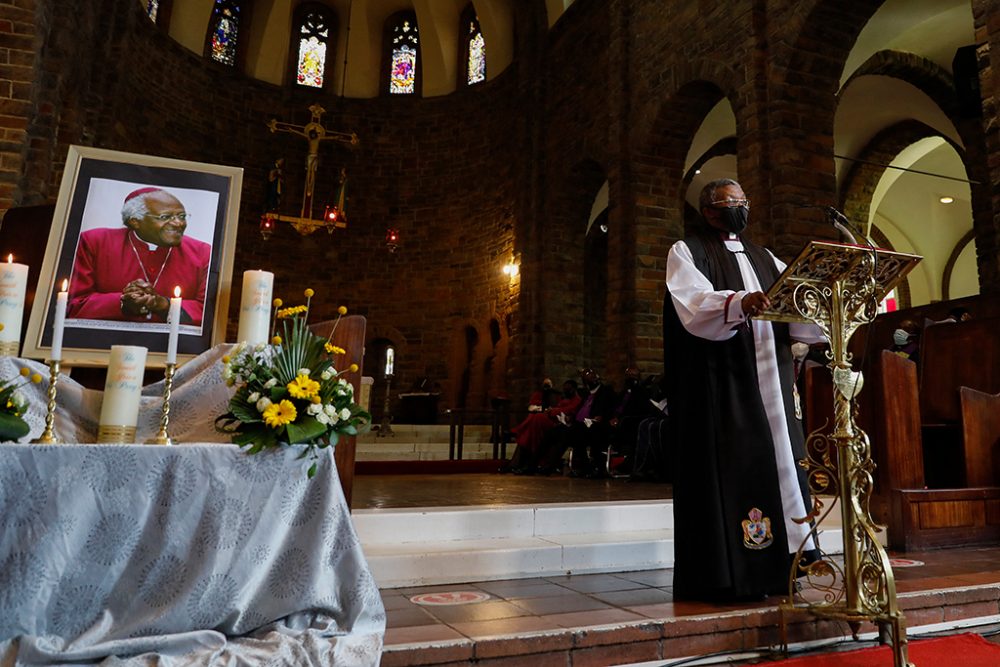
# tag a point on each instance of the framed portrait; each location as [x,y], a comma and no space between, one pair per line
[129,232]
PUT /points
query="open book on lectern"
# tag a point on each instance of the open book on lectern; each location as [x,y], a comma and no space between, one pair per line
[821,263]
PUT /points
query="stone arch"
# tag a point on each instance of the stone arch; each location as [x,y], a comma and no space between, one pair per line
[949,267]
[938,84]
[376,340]
[864,175]
[807,82]
[563,246]
[658,188]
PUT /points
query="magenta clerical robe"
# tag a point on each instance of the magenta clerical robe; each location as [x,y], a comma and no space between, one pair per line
[107,259]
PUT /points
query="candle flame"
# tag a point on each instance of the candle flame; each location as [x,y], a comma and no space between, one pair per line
[10,258]
[65,284]
[177,291]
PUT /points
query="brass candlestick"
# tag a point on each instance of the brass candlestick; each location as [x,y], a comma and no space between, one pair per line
[163,438]
[48,437]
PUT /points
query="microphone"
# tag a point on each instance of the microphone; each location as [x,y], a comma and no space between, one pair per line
[841,223]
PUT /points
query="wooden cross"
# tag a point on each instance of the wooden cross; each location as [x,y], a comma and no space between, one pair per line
[314,132]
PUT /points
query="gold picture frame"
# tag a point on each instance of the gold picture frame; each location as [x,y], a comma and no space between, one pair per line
[95,186]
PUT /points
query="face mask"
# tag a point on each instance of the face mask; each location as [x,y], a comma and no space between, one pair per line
[734,218]
[900,337]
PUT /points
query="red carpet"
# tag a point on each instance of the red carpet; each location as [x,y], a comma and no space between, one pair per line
[956,651]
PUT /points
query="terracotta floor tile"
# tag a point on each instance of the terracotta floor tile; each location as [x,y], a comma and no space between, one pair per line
[664,610]
[560,604]
[658,578]
[505,626]
[532,589]
[582,619]
[483,611]
[635,597]
[420,634]
[401,618]
[594,583]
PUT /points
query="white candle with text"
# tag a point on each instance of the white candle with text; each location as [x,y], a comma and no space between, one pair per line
[255,307]
[123,387]
[13,285]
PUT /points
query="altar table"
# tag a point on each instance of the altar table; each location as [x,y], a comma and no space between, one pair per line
[180,556]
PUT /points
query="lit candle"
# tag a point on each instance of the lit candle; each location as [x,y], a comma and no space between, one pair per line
[122,391]
[255,307]
[13,285]
[174,318]
[390,360]
[62,298]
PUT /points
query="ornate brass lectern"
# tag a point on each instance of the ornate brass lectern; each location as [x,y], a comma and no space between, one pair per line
[839,287]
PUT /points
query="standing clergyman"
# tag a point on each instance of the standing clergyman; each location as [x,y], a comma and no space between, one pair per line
[737,484]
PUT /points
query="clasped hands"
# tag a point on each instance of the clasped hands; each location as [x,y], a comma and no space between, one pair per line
[139,298]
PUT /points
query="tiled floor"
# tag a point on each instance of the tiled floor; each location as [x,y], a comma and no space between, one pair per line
[526,606]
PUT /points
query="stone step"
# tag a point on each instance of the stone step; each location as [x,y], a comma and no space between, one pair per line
[425,433]
[425,546]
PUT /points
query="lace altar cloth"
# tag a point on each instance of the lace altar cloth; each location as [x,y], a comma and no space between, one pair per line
[176,556]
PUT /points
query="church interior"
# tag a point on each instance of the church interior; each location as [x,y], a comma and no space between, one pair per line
[507,178]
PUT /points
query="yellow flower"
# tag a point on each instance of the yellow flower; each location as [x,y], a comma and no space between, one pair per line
[317,399]
[353,368]
[309,293]
[279,414]
[36,378]
[225,358]
[303,386]
[277,303]
[25,371]
[276,340]
[342,310]
[333,349]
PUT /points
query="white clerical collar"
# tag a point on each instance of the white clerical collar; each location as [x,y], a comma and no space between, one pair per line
[733,243]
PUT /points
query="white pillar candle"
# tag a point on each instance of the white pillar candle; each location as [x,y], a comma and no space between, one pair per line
[255,307]
[174,319]
[59,323]
[13,285]
[122,391]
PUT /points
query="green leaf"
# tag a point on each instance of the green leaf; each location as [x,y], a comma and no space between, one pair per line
[311,472]
[304,430]
[12,427]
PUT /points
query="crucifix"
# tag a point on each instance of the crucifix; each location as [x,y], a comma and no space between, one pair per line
[314,132]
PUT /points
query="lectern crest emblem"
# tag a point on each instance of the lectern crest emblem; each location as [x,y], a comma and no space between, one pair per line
[757,530]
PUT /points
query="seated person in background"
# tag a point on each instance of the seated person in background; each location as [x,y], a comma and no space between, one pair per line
[906,340]
[543,398]
[530,432]
[652,457]
[587,433]
[632,407]
[958,314]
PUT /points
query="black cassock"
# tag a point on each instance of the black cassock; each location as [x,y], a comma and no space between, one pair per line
[729,527]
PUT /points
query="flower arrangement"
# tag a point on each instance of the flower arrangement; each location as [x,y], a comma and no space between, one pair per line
[290,392]
[13,404]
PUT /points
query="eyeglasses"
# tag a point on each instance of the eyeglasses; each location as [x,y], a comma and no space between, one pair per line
[731,203]
[167,217]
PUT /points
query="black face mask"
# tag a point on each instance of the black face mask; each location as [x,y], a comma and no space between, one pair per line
[734,218]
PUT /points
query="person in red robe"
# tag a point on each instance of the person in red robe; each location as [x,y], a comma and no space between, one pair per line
[530,432]
[129,273]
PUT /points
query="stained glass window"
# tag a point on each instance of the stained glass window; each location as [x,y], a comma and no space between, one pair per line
[225,28]
[403,67]
[476,66]
[151,7]
[314,36]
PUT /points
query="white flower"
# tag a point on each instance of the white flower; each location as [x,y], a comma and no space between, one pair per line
[19,401]
[327,374]
[263,404]
[259,347]
[315,409]
[330,409]
[304,371]
[342,382]
[252,398]
[322,418]
[270,383]
[345,413]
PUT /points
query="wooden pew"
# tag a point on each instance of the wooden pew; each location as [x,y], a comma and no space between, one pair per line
[981,437]
[349,335]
